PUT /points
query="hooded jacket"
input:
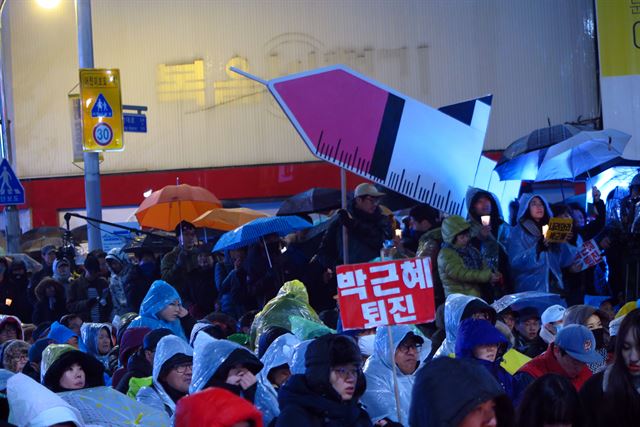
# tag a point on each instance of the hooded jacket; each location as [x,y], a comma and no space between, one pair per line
[476,332]
[309,399]
[131,341]
[33,405]
[279,353]
[89,333]
[530,268]
[447,390]
[78,300]
[210,355]
[12,320]
[117,282]
[578,315]
[490,247]
[48,309]
[456,276]
[156,395]
[454,310]
[215,407]
[60,334]
[160,295]
[57,358]
[379,397]
[292,300]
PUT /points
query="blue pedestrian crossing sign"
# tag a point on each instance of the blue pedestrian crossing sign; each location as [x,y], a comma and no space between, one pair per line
[101,108]
[11,190]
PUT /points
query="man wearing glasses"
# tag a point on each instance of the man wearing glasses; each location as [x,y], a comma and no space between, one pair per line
[379,398]
[367,229]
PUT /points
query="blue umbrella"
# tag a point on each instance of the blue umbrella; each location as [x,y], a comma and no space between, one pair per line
[253,231]
[539,300]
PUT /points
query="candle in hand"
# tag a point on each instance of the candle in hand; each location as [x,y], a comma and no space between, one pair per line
[486,220]
[545,228]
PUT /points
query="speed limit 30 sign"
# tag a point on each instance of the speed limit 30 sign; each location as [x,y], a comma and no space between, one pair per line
[102,123]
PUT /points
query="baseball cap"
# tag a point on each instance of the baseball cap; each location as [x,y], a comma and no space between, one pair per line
[366,189]
[554,313]
[527,313]
[579,343]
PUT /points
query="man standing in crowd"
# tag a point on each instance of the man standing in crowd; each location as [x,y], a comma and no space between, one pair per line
[88,295]
[177,265]
[48,257]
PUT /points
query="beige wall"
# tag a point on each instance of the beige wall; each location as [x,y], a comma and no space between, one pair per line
[537,58]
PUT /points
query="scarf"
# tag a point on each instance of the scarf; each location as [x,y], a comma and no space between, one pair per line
[470,256]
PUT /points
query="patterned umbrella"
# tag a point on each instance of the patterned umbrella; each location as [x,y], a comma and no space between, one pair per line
[227,219]
[165,208]
[254,230]
[107,407]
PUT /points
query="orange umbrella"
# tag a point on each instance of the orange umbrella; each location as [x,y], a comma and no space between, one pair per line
[165,208]
[227,219]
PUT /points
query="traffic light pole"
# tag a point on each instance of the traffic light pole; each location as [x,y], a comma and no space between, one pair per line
[91,160]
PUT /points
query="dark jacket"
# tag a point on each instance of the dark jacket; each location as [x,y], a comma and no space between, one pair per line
[175,268]
[49,309]
[36,278]
[15,289]
[202,292]
[136,286]
[531,348]
[137,366]
[447,390]
[309,400]
[603,410]
[366,234]
[78,300]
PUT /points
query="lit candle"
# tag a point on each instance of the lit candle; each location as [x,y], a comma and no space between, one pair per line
[486,220]
[545,228]
[398,233]
[8,301]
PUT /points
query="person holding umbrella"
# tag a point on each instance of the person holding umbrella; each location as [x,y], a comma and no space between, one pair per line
[177,265]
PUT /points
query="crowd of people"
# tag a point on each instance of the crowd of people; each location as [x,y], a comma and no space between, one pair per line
[252,336]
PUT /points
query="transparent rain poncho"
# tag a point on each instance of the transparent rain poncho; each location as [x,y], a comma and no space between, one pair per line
[453,310]
[379,398]
[292,300]
[89,333]
[209,354]
[280,352]
[157,397]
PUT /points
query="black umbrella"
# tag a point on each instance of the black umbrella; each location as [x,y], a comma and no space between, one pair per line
[522,158]
[159,242]
[313,200]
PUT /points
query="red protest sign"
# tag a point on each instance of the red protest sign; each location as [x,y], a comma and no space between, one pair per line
[385,293]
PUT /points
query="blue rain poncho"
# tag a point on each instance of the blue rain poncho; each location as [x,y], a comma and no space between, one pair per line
[209,354]
[530,270]
[160,295]
[297,366]
[280,352]
[156,396]
[379,398]
[89,333]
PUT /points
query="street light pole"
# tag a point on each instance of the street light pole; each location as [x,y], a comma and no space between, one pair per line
[91,160]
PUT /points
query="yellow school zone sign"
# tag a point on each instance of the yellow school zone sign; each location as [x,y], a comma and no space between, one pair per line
[102,125]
